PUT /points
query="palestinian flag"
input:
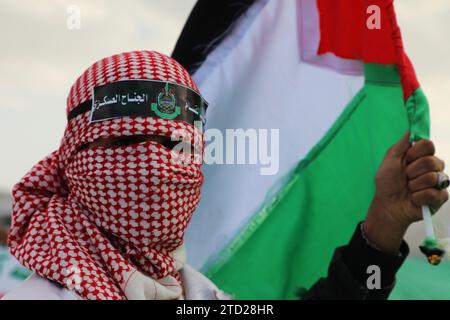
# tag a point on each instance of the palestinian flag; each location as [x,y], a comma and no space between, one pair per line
[333,77]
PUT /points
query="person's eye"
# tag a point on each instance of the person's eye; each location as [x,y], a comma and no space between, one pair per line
[125,141]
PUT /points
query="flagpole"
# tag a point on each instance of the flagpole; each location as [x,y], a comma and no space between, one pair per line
[429,230]
[430,246]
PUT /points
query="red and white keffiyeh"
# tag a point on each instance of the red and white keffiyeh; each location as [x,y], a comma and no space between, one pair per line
[109,223]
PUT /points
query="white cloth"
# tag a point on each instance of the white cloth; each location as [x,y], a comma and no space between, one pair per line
[196,287]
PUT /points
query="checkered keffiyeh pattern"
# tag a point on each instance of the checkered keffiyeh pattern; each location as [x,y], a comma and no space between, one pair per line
[109,223]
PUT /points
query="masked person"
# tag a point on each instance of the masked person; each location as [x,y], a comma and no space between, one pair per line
[104,216]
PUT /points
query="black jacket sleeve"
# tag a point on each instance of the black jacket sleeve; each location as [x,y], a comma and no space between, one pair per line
[348,272]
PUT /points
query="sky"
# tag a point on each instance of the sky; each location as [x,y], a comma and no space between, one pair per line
[40,58]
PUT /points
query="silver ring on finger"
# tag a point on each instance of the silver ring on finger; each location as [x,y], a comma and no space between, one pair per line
[443,181]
